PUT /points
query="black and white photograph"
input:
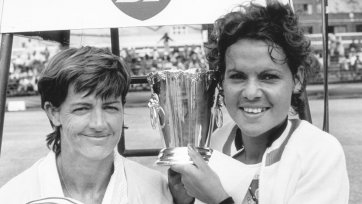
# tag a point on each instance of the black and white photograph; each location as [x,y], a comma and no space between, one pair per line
[181,102]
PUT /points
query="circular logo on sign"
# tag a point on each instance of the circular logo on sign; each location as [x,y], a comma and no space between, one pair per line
[141,9]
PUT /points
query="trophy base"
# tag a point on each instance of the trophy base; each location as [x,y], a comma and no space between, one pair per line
[179,155]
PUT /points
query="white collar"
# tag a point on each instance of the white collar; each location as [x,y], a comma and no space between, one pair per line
[50,185]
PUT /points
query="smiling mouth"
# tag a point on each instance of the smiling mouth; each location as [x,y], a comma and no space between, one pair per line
[253,110]
[96,136]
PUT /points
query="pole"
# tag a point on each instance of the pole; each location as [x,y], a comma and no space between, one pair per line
[121,146]
[325,63]
[5,55]
[115,41]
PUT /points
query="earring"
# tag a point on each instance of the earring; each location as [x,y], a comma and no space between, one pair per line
[218,105]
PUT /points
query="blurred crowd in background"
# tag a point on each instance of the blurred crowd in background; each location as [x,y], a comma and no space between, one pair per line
[345,63]
[24,71]
[344,60]
[150,60]
[26,66]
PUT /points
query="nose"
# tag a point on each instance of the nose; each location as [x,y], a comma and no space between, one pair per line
[251,90]
[97,120]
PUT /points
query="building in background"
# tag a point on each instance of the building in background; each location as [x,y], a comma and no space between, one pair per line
[142,37]
[344,15]
[344,19]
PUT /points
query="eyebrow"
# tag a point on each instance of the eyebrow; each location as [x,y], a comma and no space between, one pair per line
[80,104]
[112,102]
[89,104]
[266,68]
[232,70]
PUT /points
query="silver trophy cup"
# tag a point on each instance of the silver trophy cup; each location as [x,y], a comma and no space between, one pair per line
[184,107]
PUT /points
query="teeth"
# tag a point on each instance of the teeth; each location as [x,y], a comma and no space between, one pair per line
[254,110]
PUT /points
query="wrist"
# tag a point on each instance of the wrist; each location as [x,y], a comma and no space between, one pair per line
[228,200]
[184,202]
[221,198]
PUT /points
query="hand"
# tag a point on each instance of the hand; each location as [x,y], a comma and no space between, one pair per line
[199,180]
[177,189]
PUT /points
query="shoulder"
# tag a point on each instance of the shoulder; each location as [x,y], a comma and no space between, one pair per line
[316,158]
[312,143]
[147,176]
[148,181]
[135,171]
[25,184]
[309,135]
[136,168]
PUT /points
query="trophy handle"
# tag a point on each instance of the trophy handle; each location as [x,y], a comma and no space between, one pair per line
[155,110]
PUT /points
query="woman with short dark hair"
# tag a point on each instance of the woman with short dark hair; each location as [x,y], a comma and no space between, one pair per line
[83,92]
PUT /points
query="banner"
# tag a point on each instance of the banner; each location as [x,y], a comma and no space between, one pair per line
[46,15]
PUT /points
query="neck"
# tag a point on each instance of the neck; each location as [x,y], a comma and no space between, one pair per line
[84,179]
[254,147]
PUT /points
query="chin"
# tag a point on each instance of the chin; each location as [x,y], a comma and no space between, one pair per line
[98,154]
[254,130]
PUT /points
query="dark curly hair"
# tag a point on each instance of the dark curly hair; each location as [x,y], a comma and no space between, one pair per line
[89,69]
[275,24]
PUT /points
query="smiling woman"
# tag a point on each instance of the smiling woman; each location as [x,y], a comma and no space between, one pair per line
[83,92]
[257,90]
[262,57]
[90,125]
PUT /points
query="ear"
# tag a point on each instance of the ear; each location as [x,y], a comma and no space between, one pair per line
[299,78]
[52,113]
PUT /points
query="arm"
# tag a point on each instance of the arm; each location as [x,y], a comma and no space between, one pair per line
[200,181]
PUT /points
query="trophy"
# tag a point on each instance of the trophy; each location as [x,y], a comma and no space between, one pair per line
[184,106]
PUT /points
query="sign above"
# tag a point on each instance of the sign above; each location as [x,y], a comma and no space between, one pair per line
[47,15]
[139,9]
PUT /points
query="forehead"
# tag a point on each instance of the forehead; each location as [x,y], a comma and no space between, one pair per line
[249,53]
[85,95]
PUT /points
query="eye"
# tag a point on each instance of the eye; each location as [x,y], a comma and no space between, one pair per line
[269,76]
[237,75]
[80,110]
[111,108]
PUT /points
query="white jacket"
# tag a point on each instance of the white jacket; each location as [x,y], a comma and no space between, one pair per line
[303,166]
[130,183]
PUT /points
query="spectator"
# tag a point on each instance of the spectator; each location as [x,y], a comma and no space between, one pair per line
[180,62]
[357,67]
[166,39]
[344,66]
[353,45]
[194,61]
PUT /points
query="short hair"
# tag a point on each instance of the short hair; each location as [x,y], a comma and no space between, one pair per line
[277,25]
[89,69]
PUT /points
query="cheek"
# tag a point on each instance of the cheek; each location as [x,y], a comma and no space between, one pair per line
[283,98]
[231,93]
[72,125]
[116,122]
[71,129]
[231,100]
